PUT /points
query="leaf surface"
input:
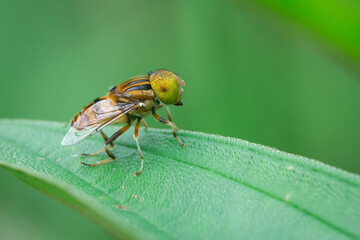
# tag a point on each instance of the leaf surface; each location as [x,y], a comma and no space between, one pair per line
[214,188]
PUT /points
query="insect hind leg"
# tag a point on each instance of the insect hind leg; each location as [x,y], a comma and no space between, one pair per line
[98,163]
[102,150]
[108,141]
[111,155]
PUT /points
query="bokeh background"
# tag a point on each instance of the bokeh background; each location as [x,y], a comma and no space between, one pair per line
[274,72]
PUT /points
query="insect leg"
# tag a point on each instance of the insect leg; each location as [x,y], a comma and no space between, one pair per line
[100,151]
[98,163]
[160,106]
[118,133]
[170,123]
[144,123]
[169,116]
[109,141]
[136,137]
[105,137]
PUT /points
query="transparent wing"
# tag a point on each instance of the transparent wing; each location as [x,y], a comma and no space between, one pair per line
[94,118]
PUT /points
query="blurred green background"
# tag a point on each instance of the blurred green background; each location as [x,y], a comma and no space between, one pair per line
[274,72]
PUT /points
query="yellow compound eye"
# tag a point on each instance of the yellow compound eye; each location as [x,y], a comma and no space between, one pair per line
[166,86]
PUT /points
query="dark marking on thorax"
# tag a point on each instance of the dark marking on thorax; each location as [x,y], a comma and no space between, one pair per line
[138,87]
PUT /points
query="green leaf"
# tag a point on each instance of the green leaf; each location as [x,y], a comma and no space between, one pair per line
[214,188]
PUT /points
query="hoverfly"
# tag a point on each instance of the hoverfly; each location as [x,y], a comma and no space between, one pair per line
[128,102]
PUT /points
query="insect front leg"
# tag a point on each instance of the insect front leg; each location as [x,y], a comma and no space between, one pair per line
[170,123]
[109,141]
[170,119]
[136,137]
